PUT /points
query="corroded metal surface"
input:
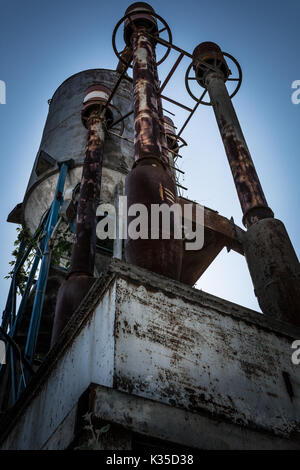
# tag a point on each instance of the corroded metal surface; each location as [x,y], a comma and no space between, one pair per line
[250,192]
[274,269]
[220,225]
[272,261]
[83,253]
[212,72]
[150,181]
[146,119]
[218,233]
[81,273]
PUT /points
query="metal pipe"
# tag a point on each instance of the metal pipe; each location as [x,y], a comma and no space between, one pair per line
[146,119]
[81,273]
[250,192]
[150,182]
[272,261]
[84,246]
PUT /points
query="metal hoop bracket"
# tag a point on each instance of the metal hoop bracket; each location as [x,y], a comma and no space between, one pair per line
[238,80]
[128,16]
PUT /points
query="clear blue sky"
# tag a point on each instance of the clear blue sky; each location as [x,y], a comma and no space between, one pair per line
[43,42]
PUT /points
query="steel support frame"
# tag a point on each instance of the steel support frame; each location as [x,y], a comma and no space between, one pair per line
[43,274]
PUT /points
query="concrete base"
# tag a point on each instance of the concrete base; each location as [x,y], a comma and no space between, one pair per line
[171,363]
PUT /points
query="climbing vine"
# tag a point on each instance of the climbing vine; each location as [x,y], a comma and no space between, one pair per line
[60,246]
[21,278]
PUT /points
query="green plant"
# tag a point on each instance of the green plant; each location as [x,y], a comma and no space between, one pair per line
[21,278]
[93,442]
[60,245]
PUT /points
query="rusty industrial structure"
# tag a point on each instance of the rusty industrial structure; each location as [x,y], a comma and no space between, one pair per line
[151,179]
[272,261]
[121,332]
[81,274]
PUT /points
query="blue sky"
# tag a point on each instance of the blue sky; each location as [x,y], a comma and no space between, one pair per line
[42,43]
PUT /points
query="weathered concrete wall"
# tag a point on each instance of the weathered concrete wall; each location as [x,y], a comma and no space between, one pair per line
[157,339]
[90,358]
[199,358]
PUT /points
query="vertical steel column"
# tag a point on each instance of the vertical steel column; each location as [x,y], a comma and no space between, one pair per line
[150,181]
[84,247]
[81,273]
[271,259]
[250,193]
[146,120]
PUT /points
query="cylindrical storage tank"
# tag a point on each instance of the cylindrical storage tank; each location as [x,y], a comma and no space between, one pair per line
[64,138]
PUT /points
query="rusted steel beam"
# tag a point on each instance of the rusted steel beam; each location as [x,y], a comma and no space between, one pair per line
[272,261]
[183,106]
[177,62]
[220,225]
[81,274]
[150,181]
[219,232]
[116,86]
[127,57]
[191,114]
[165,43]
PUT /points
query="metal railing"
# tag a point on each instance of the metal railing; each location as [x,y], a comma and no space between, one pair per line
[41,245]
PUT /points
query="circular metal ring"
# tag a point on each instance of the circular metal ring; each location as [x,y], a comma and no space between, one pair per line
[238,79]
[121,122]
[166,26]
